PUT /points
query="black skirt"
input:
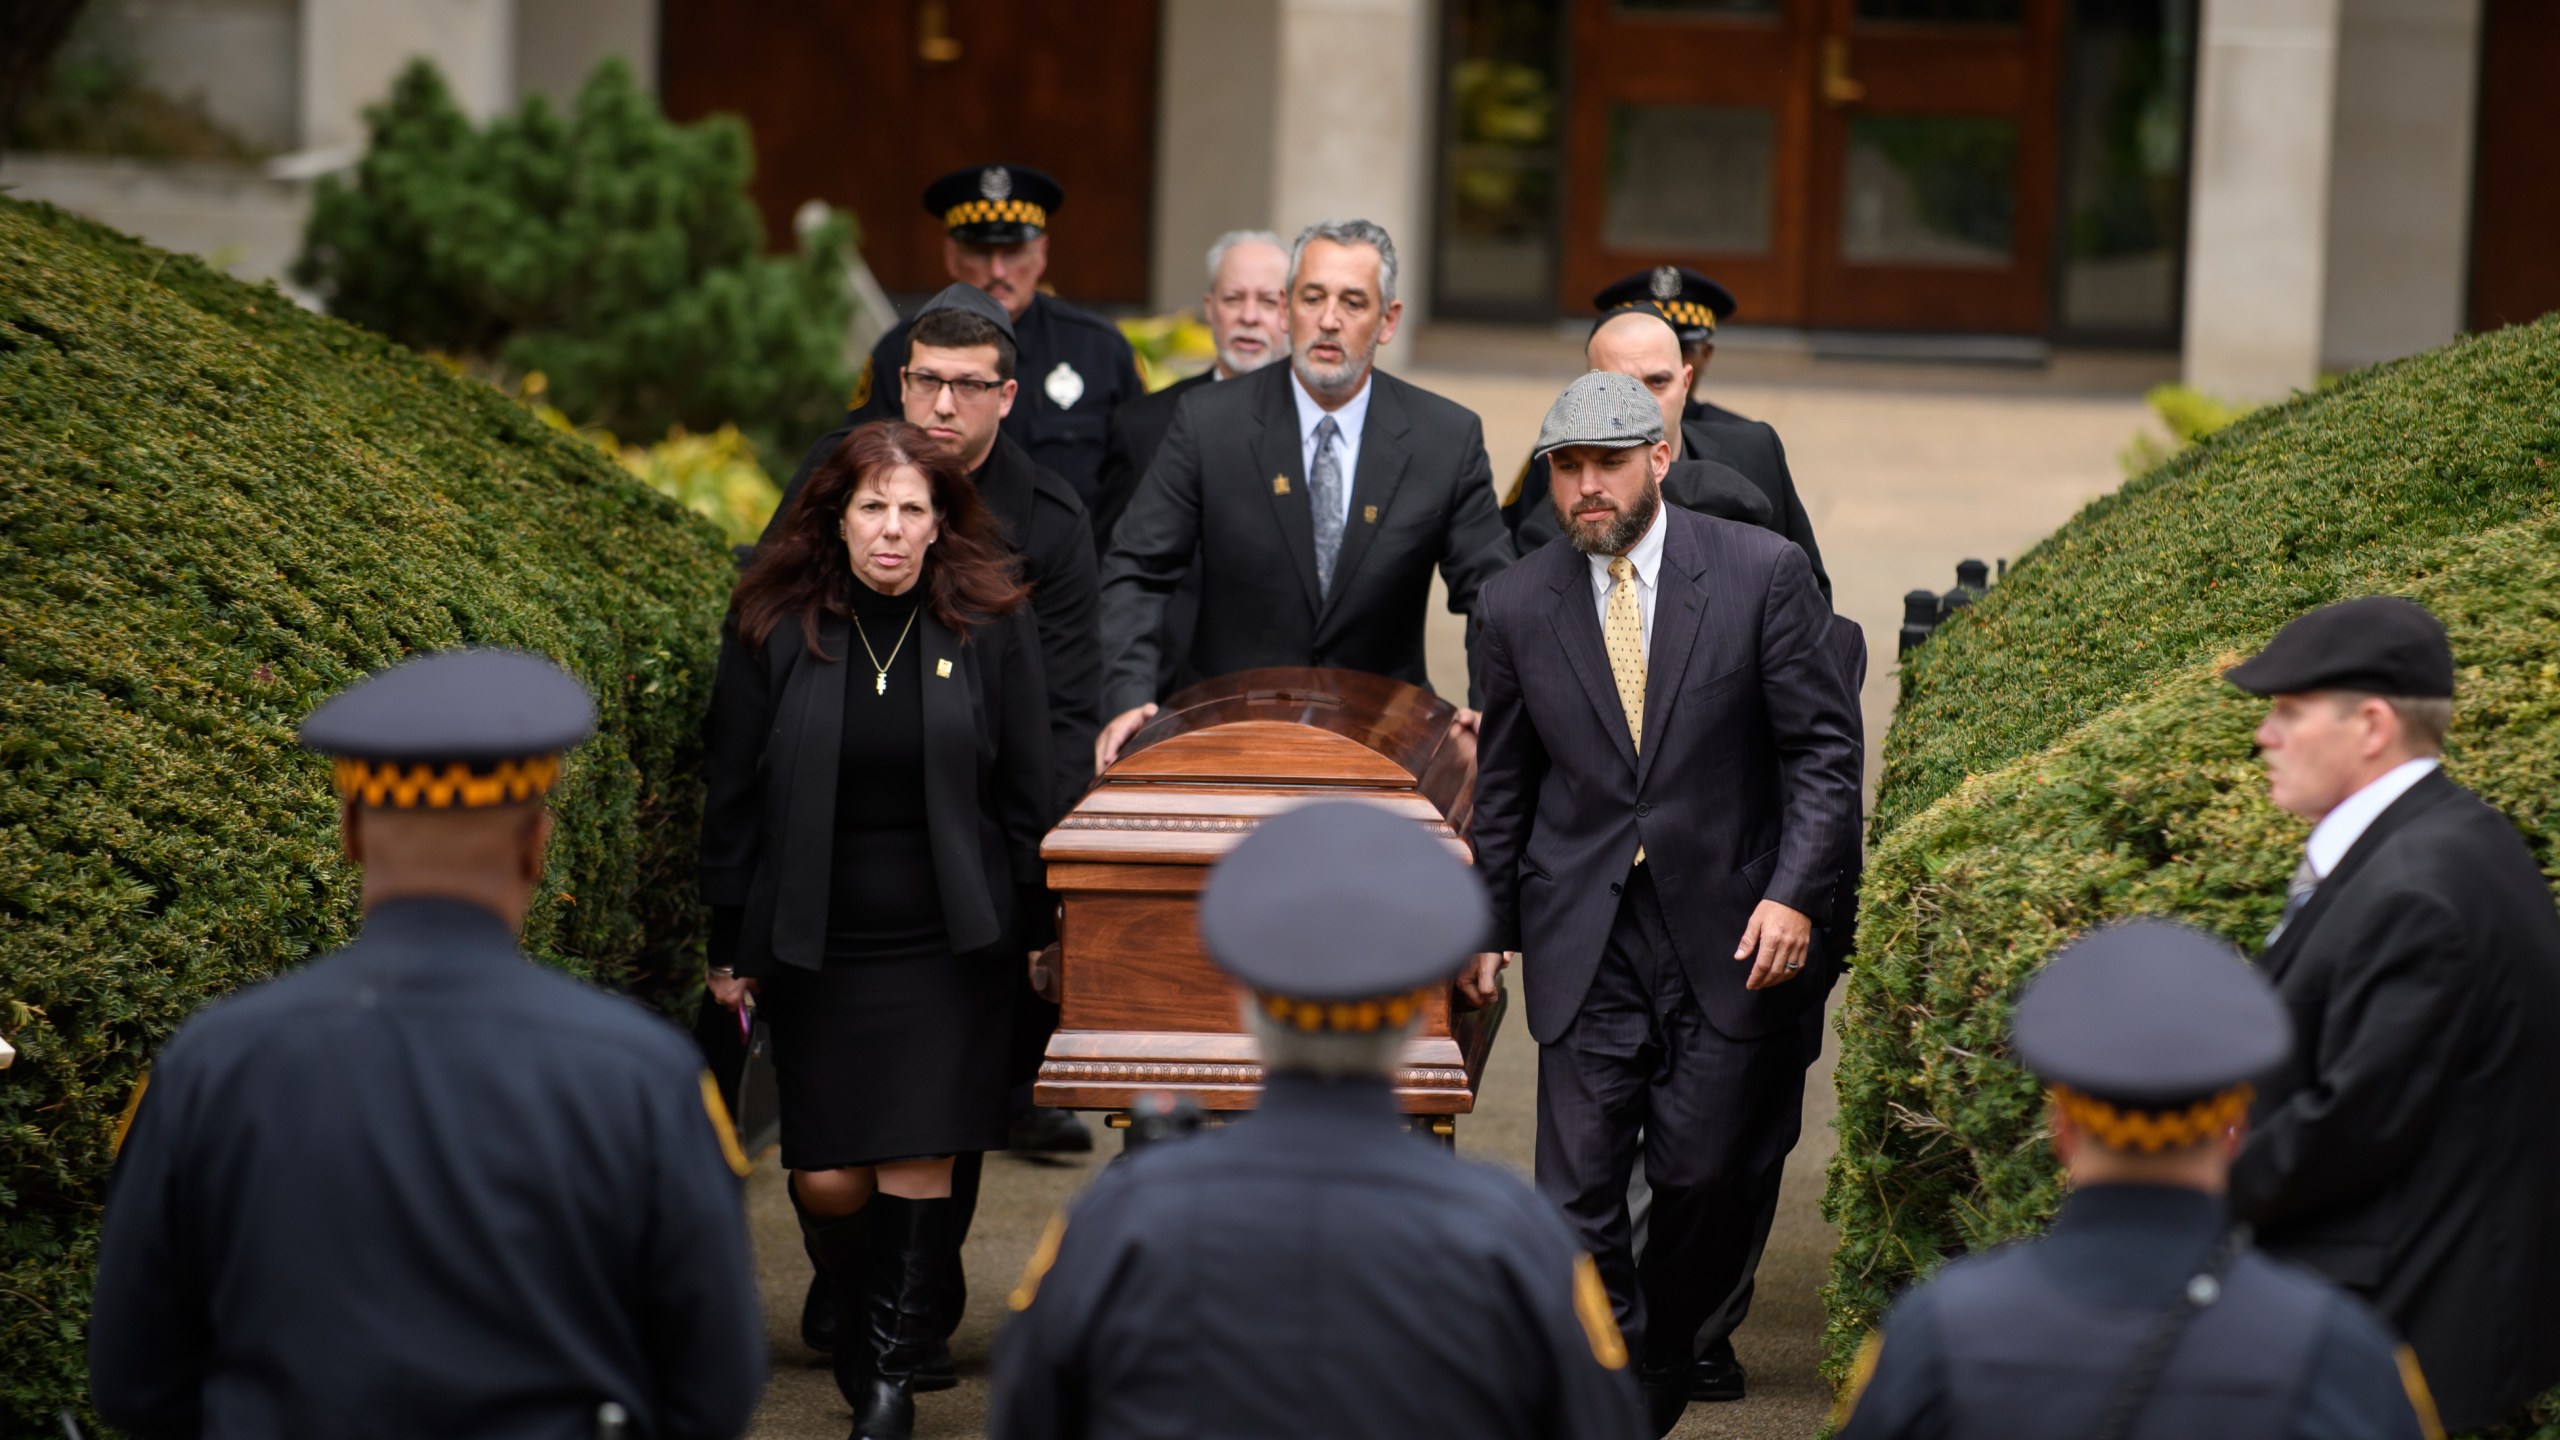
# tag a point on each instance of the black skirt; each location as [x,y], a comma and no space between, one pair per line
[891,1051]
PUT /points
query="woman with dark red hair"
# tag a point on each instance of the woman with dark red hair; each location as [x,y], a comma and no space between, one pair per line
[877,766]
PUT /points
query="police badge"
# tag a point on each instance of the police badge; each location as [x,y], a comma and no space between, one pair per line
[1064,386]
[995,183]
[1666,282]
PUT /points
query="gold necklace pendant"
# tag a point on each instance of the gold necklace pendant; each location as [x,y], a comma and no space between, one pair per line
[879,667]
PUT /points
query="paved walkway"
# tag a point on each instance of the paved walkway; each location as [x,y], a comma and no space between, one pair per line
[1905,470]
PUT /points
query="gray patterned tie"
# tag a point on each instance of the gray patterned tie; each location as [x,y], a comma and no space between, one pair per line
[2297,893]
[1324,492]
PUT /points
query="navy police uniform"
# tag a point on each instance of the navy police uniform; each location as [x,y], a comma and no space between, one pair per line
[2143,1313]
[423,1186]
[1075,366]
[1317,1268]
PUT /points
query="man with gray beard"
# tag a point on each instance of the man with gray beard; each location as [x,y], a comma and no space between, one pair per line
[1317,497]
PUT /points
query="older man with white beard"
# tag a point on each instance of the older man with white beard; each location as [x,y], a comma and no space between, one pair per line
[1317,496]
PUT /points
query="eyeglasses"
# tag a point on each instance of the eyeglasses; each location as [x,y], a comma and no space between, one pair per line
[927,386]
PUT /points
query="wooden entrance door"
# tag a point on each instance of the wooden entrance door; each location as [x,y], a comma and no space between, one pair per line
[861,103]
[1881,164]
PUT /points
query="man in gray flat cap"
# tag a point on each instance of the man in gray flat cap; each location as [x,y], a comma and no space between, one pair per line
[1666,805]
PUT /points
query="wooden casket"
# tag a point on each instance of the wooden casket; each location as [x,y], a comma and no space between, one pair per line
[1142,1009]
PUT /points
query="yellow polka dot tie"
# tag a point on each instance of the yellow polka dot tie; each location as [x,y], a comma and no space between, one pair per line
[1625,633]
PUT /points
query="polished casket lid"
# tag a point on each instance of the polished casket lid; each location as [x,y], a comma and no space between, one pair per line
[1223,754]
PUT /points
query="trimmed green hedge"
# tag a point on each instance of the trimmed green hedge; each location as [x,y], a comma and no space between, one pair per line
[2066,754]
[216,509]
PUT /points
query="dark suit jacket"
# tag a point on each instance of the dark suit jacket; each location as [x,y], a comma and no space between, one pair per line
[1137,432]
[771,745]
[1045,524]
[2406,1150]
[1229,483]
[1747,788]
[1747,446]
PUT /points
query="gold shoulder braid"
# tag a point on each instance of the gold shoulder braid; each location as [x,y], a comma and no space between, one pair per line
[1599,1322]
[1043,1255]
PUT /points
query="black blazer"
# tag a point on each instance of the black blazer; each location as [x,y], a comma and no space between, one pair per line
[1747,788]
[1230,483]
[1045,524]
[1137,431]
[2406,1150]
[1749,447]
[771,744]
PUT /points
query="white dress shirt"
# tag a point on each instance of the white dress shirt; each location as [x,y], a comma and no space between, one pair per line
[1350,420]
[1647,558]
[2340,829]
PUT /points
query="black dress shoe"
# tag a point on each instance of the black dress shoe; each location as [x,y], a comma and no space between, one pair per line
[1717,1374]
[1047,1130]
[1666,1394]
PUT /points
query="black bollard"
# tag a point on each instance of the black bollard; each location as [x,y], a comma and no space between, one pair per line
[1919,617]
[1974,576]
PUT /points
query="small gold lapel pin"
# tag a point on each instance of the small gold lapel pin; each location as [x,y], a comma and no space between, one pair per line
[1369,513]
[942,669]
[1279,484]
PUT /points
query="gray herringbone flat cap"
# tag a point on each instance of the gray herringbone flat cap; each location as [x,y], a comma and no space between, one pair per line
[1603,408]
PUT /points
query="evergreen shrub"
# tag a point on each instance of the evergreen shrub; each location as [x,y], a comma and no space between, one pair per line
[2066,754]
[215,510]
[612,250]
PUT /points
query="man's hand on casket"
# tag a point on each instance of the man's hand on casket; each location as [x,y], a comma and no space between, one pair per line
[1481,981]
[1106,746]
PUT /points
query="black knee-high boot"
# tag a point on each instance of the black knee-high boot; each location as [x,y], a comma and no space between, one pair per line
[903,1261]
[838,1248]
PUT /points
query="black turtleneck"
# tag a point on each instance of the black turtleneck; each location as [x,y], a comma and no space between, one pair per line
[883,899]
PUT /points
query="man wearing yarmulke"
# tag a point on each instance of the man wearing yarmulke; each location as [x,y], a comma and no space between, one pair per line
[1318,1268]
[422,1187]
[2407,1150]
[2144,1313]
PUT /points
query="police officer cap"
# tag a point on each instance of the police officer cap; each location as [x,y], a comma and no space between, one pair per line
[1341,914]
[457,729]
[1693,303]
[960,296]
[994,204]
[2378,643]
[1605,409]
[2150,1015]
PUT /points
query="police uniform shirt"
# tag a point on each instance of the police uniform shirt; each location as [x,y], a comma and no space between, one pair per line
[1313,1269]
[2031,1340]
[423,1187]
[1074,368]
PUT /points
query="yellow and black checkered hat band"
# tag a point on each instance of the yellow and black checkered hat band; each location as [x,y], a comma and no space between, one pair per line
[2124,1128]
[1346,1016]
[1688,313]
[988,212]
[453,785]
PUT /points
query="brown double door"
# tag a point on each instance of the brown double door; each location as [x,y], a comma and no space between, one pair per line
[861,103]
[1882,164]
